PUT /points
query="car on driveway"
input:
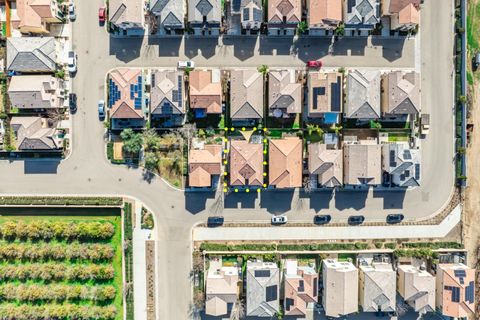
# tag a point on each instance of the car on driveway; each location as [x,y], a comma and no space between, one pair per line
[279,219]
[102,15]
[395,218]
[215,221]
[314,64]
[72,15]
[72,62]
[322,219]
[72,102]
[186,64]
[355,220]
[101,109]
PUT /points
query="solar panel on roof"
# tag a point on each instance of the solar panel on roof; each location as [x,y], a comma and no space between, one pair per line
[315,287]
[350,5]
[301,286]
[271,293]
[262,273]
[246,14]
[455,294]
[236,5]
[470,292]
[257,15]
[462,281]
[417,171]
[318,91]
[153,80]
[288,303]
[459,273]
[407,155]
[335,96]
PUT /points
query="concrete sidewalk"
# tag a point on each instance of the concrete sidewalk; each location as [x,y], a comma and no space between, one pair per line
[330,233]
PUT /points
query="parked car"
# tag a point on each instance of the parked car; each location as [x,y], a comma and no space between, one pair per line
[72,102]
[424,124]
[279,219]
[102,15]
[322,219]
[476,61]
[186,64]
[395,218]
[101,109]
[356,220]
[71,11]
[215,221]
[72,62]
[314,64]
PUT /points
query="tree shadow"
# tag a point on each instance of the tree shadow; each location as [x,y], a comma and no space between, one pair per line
[125,49]
[277,201]
[196,201]
[349,199]
[243,46]
[393,199]
[147,176]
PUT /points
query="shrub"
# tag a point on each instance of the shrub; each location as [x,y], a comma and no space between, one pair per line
[378,245]
[56,311]
[390,245]
[72,201]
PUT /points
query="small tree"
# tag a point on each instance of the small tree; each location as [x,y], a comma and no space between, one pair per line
[375,124]
[132,142]
[462,99]
[340,30]
[151,140]
[302,27]
[336,129]
[263,69]
[151,161]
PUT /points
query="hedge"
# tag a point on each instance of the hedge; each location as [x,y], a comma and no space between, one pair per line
[66,201]
[240,247]
[283,247]
[56,311]
[416,253]
[433,245]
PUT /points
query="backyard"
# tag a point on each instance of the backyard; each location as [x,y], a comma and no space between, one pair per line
[60,267]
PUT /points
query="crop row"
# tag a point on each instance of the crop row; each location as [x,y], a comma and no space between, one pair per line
[55,292]
[56,272]
[47,230]
[56,311]
[39,252]
[64,201]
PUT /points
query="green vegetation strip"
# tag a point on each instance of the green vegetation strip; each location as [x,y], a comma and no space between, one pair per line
[128,251]
[283,247]
[65,201]
[56,311]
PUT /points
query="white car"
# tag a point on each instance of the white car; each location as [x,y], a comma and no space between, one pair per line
[186,64]
[72,62]
[71,11]
[279,219]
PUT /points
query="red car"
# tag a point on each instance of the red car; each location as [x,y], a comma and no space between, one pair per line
[314,64]
[102,15]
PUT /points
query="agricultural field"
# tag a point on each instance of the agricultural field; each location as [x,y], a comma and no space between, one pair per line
[61,267]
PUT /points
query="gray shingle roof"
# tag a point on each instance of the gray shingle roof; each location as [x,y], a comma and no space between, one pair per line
[31,54]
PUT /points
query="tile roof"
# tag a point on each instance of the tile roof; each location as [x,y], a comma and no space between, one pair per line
[324,93]
[417,288]
[167,95]
[409,15]
[32,15]
[124,106]
[290,9]
[34,133]
[221,288]
[126,11]
[285,162]
[301,288]
[395,6]
[402,163]
[263,283]
[202,164]
[246,94]
[35,91]
[206,90]
[31,54]
[361,12]
[251,12]
[455,290]
[170,12]
[324,13]
[211,9]
[340,283]
[401,93]
[246,163]
[284,92]
[363,95]
[378,281]
[327,164]
[362,164]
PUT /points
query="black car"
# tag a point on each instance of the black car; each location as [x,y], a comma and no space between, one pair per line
[215,221]
[394,218]
[321,219]
[72,102]
[356,220]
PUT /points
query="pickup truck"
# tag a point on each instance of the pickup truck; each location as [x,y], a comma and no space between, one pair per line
[424,124]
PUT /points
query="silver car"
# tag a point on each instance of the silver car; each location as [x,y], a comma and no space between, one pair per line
[279,219]
[71,11]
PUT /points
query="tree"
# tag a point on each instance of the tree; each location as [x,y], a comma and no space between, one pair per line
[336,129]
[340,30]
[151,161]
[461,150]
[263,69]
[132,142]
[151,140]
[302,27]
[462,99]
[375,124]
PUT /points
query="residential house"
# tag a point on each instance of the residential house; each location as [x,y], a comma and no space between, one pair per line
[285,162]
[126,17]
[205,92]
[263,283]
[402,164]
[363,95]
[221,288]
[36,134]
[377,289]
[246,97]
[169,16]
[417,288]
[301,289]
[324,16]
[340,288]
[325,166]
[246,17]
[404,14]
[35,16]
[283,17]
[36,92]
[204,166]
[205,17]
[325,97]
[125,99]
[167,98]
[455,290]
[246,163]
[361,16]
[362,164]
[284,94]
[401,99]
[31,54]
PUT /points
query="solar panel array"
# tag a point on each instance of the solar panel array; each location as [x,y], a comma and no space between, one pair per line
[246,14]
[317,91]
[350,5]
[257,15]
[180,91]
[335,95]
[459,273]
[114,94]
[315,287]
[455,293]
[393,163]
[288,303]
[271,293]
[236,5]
[470,292]
[301,286]
[262,273]
[417,171]
[136,93]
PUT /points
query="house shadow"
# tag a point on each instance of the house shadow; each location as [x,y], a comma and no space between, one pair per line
[241,200]
[40,167]
[167,46]
[125,49]
[392,48]
[277,201]
[353,46]
[320,200]
[311,48]
[351,199]
[281,45]
[196,201]
[205,45]
[393,199]
[243,47]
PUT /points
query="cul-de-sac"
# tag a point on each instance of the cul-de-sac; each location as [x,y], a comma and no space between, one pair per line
[239,159]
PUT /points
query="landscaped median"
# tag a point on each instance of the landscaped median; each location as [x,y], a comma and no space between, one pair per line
[61,201]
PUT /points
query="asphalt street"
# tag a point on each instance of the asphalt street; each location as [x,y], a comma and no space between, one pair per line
[87,170]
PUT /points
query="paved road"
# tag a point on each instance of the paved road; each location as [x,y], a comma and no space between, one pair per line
[88,172]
